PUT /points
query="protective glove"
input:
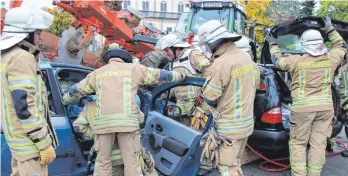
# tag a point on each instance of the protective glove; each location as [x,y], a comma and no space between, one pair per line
[270,38]
[327,24]
[47,155]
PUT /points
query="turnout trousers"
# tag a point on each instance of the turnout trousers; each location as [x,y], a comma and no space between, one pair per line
[230,158]
[309,127]
[31,167]
[129,143]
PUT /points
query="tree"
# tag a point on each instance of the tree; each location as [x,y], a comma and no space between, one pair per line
[257,11]
[307,8]
[334,9]
[284,10]
[62,20]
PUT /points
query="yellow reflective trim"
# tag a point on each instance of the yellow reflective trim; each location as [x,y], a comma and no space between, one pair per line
[302,83]
[7,124]
[14,78]
[225,171]
[239,72]
[127,95]
[314,64]
[98,102]
[113,74]
[215,87]
[3,67]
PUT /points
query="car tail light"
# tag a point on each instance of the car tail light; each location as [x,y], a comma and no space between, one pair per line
[273,116]
[262,85]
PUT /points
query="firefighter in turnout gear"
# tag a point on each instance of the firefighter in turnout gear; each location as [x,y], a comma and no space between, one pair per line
[190,62]
[312,108]
[84,122]
[117,116]
[230,89]
[342,86]
[25,115]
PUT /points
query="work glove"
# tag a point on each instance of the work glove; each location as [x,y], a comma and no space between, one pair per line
[47,155]
[327,24]
[270,39]
[199,119]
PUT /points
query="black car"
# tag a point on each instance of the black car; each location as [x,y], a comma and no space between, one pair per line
[273,98]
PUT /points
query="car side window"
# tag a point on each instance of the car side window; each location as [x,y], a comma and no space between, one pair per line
[49,93]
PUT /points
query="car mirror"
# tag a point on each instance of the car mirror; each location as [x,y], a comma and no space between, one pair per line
[173,111]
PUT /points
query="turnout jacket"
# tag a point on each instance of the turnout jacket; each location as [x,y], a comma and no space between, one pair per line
[230,87]
[312,76]
[192,63]
[24,106]
[116,85]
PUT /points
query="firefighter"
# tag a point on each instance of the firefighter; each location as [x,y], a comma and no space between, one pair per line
[312,108]
[230,89]
[115,86]
[84,122]
[192,63]
[25,115]
[342,86]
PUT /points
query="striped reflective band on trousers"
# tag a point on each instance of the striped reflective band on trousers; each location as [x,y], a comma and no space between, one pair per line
[113,120]
[225,171]
[228,126]
[116,155]
[295,165]
[312,101]
[315,169]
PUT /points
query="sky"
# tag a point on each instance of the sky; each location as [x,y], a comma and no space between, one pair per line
[39,3]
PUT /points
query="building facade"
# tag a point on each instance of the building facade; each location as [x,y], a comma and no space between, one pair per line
[163,14]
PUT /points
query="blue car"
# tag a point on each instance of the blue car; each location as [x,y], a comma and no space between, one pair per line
[175,147]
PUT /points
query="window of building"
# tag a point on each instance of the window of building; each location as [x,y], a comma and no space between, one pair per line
[180,7]
[126,4]
[169,29]
[145,5]
[163,6]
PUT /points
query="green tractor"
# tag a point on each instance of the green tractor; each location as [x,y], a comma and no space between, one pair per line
[231,14]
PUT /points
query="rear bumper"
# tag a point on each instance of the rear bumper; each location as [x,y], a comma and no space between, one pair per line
[269,140]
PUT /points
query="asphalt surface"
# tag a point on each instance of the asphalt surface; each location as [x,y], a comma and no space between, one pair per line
[334,166]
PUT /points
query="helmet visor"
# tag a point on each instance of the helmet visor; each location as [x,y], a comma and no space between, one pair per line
[315,50]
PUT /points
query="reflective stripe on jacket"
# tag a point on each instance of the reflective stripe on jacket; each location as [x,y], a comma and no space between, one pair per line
[231,86]
[24,105]
[116,85]
[85,124]
[312,76]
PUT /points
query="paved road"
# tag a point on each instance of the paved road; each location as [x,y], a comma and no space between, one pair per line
[334,166]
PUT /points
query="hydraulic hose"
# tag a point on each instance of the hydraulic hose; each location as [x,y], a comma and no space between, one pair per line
[283,167]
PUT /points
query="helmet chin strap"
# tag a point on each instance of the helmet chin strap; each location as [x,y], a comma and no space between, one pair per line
[34,50]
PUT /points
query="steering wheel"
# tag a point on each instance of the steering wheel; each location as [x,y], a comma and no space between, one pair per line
[85,100]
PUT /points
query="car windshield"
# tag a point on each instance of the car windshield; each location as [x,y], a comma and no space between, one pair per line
[200,16]
[290,44]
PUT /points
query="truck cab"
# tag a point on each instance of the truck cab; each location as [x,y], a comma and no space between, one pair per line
[231,14]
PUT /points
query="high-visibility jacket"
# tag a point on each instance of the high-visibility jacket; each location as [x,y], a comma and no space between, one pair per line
[116,85]
[231,87]
[192,63]
[85,124]
[24,106]
[312,76]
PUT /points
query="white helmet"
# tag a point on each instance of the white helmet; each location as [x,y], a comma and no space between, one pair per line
[312,42]
[21,21]
[243,44]
[171,40]
[212,31]
[113,46]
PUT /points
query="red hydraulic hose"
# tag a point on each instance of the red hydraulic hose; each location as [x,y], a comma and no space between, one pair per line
[284,167]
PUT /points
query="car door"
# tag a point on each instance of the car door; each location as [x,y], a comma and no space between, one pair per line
[174,146]
[69,158]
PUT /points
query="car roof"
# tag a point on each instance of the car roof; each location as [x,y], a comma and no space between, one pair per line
[46,65]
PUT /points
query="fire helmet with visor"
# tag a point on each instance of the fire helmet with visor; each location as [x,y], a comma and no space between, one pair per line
[21,21]
[313,43]
[212,34]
